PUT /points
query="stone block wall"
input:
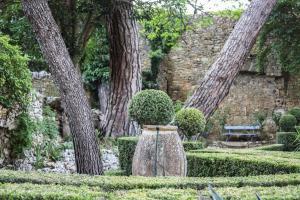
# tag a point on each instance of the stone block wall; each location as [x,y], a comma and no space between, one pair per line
[188,62]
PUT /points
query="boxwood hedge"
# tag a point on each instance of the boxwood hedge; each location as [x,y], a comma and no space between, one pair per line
[110,183]
[234,164]
[265,193]
[28,191]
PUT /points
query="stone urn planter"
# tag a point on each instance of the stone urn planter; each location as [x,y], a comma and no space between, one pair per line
[159,152]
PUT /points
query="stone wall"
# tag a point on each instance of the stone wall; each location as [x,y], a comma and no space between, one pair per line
[188,62]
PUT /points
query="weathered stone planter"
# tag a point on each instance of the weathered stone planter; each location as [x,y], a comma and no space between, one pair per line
[159,154]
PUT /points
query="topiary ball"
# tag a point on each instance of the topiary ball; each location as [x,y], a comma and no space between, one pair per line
[151,107]
[296,112]
[190,121]
[287,123]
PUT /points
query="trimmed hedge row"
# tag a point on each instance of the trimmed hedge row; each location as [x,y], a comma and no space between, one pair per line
[222,162]
[265,193]
[287,139]
[109,183]
[126,146]
[29,191]
[232,164]
[272,147]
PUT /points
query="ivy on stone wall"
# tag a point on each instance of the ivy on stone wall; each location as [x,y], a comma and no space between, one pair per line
[280,37]
[162,27]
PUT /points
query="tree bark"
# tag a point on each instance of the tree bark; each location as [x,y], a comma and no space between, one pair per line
[125,68]
[87,154]
[215,86]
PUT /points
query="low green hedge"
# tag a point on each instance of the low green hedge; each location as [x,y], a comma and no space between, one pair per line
[162,194]
[272,147]
[287,139]
[110,183]
[212,164]
[265,193]
[29,191]
[126,146]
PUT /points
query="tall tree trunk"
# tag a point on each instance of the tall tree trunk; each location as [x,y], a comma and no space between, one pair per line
[216,84]
[125,68]
[87,154]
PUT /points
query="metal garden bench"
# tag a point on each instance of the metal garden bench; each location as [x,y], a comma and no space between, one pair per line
[249,131]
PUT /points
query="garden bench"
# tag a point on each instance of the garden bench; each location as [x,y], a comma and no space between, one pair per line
[249,131]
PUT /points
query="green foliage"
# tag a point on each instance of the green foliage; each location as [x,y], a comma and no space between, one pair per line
[15,24]
[231,14]
[287,139]
[47,131]
[280,37]
[192,145]
[21,138]
[260,117]
[190,121]
[27,191]
[178,105]
[287,123]
[231,163]
[15,79]
[84,183]
[296,112]
[126,146]
[162,26]
[261,192]
[111,183]
[297,139]
[151,107]
[95,64]
[217,121]
[276,117]
[271,147]
[48,125]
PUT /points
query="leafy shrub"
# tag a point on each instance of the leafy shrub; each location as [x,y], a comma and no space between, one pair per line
[190,121]
[276,117]
[234,164]
[110,183]
[287,139]
[296,113]
[126,146]
[151,107]
[260,117]
[178,105]
[21,138]
[47,131]
[272,147]
[287,123]
[261,192]
[15,79]
[27,191]
[192,145]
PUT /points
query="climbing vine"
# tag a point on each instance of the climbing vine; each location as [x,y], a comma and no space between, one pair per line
[162,27]
[280,37]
